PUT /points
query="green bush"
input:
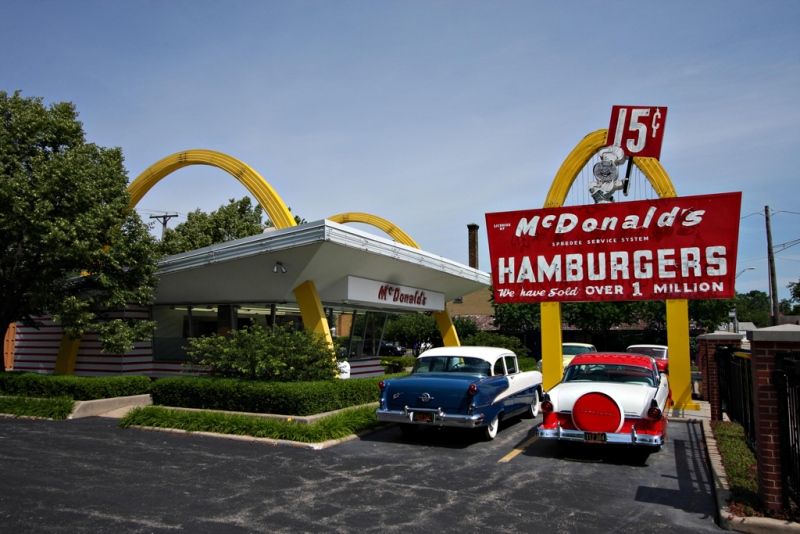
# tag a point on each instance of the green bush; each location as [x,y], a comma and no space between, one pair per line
[740,465]
[73,387]
[492,339]
[256,353]
[397,364]
[51,408]
[288,398]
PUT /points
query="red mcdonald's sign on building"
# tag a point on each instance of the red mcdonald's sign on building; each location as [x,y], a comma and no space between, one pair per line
[673,248]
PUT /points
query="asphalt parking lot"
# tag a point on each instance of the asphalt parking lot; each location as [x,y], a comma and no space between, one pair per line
[88,475]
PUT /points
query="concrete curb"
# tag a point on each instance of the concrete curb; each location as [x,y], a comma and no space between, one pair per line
[302,419]
[253,439]
[91,408]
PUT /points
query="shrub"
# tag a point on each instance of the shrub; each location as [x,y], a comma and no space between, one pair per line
[287,398]
[397,364]
[73,387]
[332,427]
[492,339]
[256,353]
[51,408]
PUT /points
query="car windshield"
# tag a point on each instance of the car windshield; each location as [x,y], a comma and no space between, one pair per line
[572,350]
[451,364]
[654,352]
[596,372]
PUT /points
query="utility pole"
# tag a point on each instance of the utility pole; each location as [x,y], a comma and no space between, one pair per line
[164,218]
[773,284]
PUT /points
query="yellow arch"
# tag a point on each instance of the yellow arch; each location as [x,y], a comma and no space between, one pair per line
[391,229]
[677,309]
[269,199]
[443,321]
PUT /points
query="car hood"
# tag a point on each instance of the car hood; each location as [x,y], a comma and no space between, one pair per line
[634,399]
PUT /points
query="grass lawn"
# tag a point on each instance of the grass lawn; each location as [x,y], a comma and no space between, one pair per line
[47,407]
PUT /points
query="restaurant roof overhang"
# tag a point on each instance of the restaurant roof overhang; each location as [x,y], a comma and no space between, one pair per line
[249,270]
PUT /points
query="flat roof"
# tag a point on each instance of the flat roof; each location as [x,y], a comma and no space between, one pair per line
[325,252]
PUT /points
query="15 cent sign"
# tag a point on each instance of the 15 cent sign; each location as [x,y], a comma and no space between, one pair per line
[637,130]
[675,248]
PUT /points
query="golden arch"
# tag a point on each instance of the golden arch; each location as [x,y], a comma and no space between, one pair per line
[677,309]
[276,209]
[443,321]
[391,229]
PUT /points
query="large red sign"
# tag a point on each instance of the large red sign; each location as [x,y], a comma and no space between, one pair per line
[637,130]
[675,248]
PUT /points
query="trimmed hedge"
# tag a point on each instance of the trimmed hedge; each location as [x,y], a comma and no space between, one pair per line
[335,426]
[286,398]
[73,387]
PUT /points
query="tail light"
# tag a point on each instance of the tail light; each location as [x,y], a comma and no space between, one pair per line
[472,389]
[654,412]
[546,405]
[381,385]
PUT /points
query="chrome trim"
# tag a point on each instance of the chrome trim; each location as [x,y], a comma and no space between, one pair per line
[440,418]
[632,438]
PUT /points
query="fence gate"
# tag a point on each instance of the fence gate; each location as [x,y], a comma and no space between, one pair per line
[736,389]
[787,381]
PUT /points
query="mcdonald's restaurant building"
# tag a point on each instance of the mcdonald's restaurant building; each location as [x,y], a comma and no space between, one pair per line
[255,280]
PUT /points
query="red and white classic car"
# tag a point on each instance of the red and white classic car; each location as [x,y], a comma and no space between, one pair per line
[608,398]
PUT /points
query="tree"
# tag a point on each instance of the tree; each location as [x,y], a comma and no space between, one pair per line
[708,314]
[413,329]
[794,288]
[754,307]
[465,326]
[71,245]
[237,219]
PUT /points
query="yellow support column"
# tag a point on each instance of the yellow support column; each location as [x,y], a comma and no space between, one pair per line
[67,355]
[311,310]
[680,371]
[552,366]
[447,329]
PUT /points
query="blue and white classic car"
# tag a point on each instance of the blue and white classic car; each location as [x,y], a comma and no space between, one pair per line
[467,387]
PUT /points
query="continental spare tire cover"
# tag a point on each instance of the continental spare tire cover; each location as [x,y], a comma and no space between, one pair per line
[597,412]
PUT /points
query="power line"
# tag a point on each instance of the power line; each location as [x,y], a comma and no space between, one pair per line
[164,218]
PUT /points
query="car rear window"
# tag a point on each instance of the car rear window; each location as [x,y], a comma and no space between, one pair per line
[654,352]
[624,374]
[451,364]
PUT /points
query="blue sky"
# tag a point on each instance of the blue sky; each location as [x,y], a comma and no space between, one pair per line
[427,113]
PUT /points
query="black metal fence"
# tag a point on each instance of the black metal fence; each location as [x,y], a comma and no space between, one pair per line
[787,380]
[736,389]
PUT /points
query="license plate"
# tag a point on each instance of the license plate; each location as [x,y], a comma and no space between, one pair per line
[594,437]
[423,417]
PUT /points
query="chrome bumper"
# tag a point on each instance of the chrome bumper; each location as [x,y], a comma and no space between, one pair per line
[438,417]
[632,438]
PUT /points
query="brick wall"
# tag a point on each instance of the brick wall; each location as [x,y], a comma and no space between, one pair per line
[707,364]
[765,344]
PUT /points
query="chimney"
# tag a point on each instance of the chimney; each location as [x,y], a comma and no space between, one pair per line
[472,229]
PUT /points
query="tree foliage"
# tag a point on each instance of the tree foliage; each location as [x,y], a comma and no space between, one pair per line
[465,326]
[794,289]
[413,329]
[71,245]
[754,307]
[234,220]
[710,313]
[494,339]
